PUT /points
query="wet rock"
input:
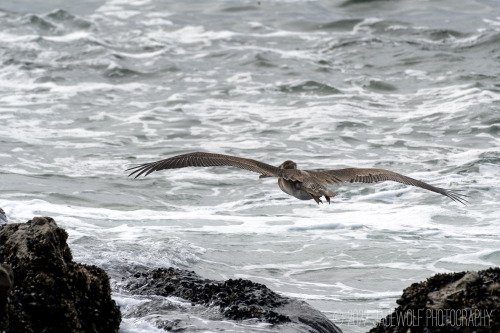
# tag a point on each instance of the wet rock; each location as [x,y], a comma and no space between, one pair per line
[458,302]
[50,292]
[3,217]
[233,299]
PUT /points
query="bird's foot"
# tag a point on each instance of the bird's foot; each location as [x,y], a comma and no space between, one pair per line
[329,195]
[316,198]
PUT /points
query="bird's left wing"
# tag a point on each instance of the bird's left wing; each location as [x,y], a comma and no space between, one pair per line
[200,159]
[361,175]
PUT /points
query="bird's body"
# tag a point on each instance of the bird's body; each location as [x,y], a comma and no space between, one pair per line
[293,188]
[302,184]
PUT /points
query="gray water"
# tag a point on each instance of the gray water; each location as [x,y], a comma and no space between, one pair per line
[90,88]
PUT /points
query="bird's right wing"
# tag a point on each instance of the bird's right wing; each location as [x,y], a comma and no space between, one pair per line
[200,159]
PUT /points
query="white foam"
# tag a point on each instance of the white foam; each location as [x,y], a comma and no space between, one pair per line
[475,258]
[68,38]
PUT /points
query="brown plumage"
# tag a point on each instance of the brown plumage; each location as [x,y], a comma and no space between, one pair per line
[302,184]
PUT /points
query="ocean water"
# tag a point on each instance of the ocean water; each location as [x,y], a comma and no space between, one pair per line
[90,88]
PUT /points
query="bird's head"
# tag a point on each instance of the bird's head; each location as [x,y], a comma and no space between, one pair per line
[288,165]
[285,165]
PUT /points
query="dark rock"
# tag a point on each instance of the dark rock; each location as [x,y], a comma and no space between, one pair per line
[3,217]
[235,299]
[458,302]
[6,282]
[50,292]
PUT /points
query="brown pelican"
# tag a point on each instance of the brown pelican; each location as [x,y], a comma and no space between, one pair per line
[302,184]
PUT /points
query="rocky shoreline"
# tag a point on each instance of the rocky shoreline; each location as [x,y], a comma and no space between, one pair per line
[233,299]
[46,290]
[43,290]
[456,302]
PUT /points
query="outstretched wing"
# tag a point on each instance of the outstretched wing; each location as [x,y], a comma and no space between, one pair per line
[356,175]
[200,159]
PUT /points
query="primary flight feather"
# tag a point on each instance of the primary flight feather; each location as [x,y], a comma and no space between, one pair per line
[302,184]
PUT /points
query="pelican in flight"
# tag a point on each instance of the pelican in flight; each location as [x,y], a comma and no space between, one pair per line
[302,184]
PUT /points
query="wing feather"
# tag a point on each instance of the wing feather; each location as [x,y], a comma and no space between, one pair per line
[200,159]
[360,175]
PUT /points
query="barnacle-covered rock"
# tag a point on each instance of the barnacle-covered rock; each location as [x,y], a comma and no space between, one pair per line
[49,291]
[457,302]
[235,299]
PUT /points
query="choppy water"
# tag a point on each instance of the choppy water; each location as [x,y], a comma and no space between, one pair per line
[88,88]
